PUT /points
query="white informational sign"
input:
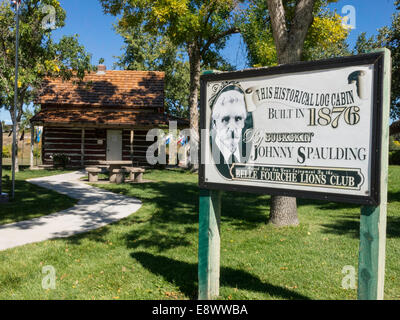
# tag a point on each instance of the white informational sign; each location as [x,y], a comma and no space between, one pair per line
[297,130]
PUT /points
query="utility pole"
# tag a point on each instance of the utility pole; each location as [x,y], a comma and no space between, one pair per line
[17,4]
[3,196]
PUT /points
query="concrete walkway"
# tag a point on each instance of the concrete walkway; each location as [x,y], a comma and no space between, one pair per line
[95,209]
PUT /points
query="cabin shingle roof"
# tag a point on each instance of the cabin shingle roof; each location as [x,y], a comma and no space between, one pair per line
[114,88]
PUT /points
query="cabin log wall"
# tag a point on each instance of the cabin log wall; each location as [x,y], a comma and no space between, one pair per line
[68,140]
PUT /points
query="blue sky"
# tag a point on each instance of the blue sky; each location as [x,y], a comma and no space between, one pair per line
[96,31]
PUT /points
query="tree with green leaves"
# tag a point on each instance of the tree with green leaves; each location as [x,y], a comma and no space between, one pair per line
[389,37]
[39,55]
[147,52]
[364,44]
[201,27]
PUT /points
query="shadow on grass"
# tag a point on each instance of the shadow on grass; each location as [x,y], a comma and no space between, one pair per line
[97,235]
[172,209]
[343,225]
[31,201]
[184,275]
[325,205]
[351,226]
[7,167]
[393,196]
[174,213]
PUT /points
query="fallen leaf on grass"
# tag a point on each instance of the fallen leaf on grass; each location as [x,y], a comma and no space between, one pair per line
[287,287]
[171,294]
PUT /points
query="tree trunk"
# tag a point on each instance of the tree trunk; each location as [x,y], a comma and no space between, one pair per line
[289,46]
[283,211]
[195,68]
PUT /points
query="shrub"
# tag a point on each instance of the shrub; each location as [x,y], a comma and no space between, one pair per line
[7,151]
[394,144]
[394,157]
[37,153]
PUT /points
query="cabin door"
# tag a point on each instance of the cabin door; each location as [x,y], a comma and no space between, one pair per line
[114,145]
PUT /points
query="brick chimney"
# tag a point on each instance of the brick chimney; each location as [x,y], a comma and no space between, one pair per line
[101,69]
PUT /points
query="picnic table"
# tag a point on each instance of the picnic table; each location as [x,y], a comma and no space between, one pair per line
[115,169]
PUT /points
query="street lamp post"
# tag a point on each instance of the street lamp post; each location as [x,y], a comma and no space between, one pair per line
[17,4]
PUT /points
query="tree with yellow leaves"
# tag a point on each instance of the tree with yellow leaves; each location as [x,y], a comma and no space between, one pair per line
[326,36]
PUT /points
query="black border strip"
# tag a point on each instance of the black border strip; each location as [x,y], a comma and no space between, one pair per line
[376,59]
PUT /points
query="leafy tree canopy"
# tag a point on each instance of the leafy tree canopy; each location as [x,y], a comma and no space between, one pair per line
[199,27]
[146,51]
[183,21]
[325,38]
[39,55]
[389,37]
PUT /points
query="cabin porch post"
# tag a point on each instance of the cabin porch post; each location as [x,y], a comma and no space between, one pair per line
[83,148]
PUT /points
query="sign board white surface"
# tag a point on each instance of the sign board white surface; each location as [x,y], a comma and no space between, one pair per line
[308,129]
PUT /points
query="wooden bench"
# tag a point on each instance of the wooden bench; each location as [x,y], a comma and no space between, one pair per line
[135,173]
[117,175]
[93,173]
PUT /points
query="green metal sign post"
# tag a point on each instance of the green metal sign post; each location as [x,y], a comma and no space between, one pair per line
[371,264]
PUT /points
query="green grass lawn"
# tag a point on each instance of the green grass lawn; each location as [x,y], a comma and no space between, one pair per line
[31,201]
[153,253]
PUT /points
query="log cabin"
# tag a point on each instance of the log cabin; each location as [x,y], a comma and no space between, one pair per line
[106,116]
